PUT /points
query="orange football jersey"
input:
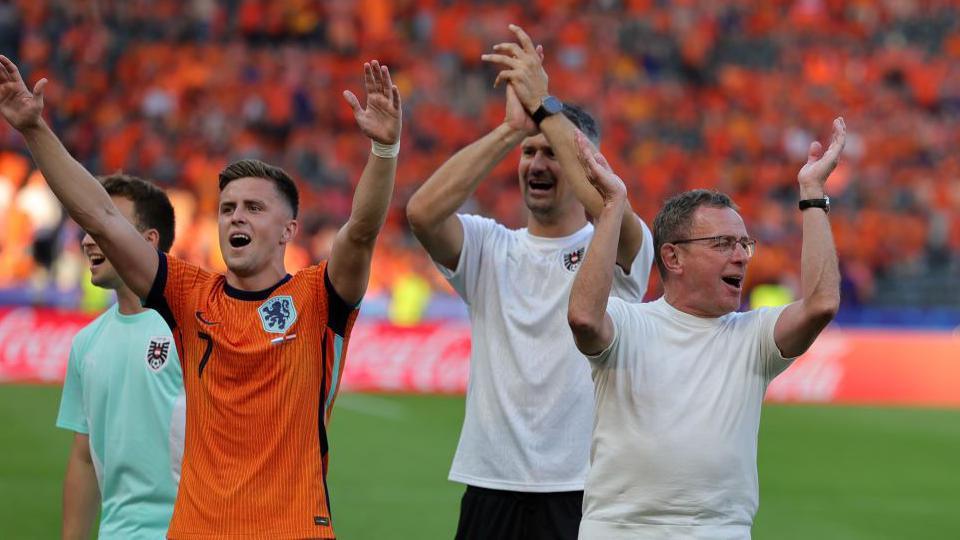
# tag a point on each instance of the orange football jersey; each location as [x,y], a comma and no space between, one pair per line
[261,371]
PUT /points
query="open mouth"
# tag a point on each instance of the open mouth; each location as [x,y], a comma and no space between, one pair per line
[540,185]
[733,281]
[96,259]
[238,240]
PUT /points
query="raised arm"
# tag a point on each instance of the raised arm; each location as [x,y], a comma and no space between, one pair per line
[587,311]
[352,250]
[80,193]
[431,209]
[523,69]
[802,321]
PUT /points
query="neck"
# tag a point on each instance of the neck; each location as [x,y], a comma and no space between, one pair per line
[555,226]
[265,278]
[682,302]
[128,303]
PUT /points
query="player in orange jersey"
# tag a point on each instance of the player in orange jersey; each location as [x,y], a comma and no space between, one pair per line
[262,350]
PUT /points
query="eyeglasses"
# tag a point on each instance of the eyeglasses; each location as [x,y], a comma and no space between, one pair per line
[724,244]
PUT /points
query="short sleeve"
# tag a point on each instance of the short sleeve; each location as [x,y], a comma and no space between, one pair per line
[71,415]
[463,279]
[633,286]
[771,358]
[340,314]
[616,310]
[175,279]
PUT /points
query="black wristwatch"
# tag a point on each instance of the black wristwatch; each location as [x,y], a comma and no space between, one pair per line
[816,203]
[549,106]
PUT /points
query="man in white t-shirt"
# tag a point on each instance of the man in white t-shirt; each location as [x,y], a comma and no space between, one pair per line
[679,381]
[524,447]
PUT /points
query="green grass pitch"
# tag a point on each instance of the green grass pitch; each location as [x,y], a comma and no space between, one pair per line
[825,472]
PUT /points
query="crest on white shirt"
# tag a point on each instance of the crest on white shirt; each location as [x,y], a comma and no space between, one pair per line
[572,260]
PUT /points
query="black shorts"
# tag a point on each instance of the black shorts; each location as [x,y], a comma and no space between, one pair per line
[492,514]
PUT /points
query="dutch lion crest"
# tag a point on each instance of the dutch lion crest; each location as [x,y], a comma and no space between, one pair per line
[278,314]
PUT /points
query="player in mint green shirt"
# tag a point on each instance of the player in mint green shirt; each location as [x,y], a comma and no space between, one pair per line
[123,396]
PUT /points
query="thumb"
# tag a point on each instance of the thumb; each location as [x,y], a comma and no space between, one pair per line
[38,88]
[352,101]
[815,152]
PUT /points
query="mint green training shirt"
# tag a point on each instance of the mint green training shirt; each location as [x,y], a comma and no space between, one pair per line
[124,388]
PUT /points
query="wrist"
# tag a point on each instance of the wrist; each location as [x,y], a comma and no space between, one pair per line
[811,192]
[35,127]
[534,103]
[512,135]
[615,206]
[385,151]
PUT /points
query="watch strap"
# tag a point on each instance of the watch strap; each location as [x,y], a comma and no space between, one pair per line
[823,203]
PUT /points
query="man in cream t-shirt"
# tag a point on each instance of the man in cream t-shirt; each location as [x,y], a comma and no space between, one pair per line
[679,382]
[524,446]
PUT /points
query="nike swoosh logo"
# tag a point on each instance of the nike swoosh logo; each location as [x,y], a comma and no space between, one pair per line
[200,318]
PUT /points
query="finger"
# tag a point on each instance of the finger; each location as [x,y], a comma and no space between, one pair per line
[377,76]
[387,81]
[523,38]
[540,52]
[602,161]
[352,101]
[509,48]
[10,71]
[38,88]
[368,83]
[501,59]
[585,153]
[837,142]
[4,74]
[395,97]
[815,152]
[505,75]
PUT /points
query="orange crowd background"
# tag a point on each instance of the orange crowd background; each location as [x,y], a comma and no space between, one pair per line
[689,93]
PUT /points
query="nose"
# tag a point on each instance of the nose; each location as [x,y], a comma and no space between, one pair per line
[87,241]
[539,162]
[740,253]
[238,216]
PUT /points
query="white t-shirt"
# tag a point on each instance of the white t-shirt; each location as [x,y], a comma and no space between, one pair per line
[529,408]
[678,397]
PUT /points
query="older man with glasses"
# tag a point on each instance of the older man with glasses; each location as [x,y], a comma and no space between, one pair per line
[679,381]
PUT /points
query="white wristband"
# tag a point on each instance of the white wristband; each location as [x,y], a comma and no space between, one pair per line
[386,151]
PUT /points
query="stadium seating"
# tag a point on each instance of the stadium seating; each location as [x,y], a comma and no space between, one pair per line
[724,94]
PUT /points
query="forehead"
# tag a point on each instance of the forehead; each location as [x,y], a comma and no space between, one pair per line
[709,221]
[249,188]
[538,141]
[126,207]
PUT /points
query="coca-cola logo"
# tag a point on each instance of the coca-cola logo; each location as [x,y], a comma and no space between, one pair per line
[426,358]
[35,343]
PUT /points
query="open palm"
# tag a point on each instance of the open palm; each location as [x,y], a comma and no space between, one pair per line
[516,116]
[381,119]
[18,105]
[821,163]
[599,173]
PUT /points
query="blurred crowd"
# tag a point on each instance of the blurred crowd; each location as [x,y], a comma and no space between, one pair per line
[688,93]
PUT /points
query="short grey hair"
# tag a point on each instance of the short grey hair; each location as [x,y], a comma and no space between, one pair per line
[675,219]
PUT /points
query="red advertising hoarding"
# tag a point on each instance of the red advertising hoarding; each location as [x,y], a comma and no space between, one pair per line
[876,367]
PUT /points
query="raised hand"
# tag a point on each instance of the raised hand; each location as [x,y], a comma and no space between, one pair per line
[18,105]
[523,68]
[820,164]
[516,116]
[599,173]
[382,118]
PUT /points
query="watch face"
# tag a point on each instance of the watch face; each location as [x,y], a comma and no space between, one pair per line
[552,105]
